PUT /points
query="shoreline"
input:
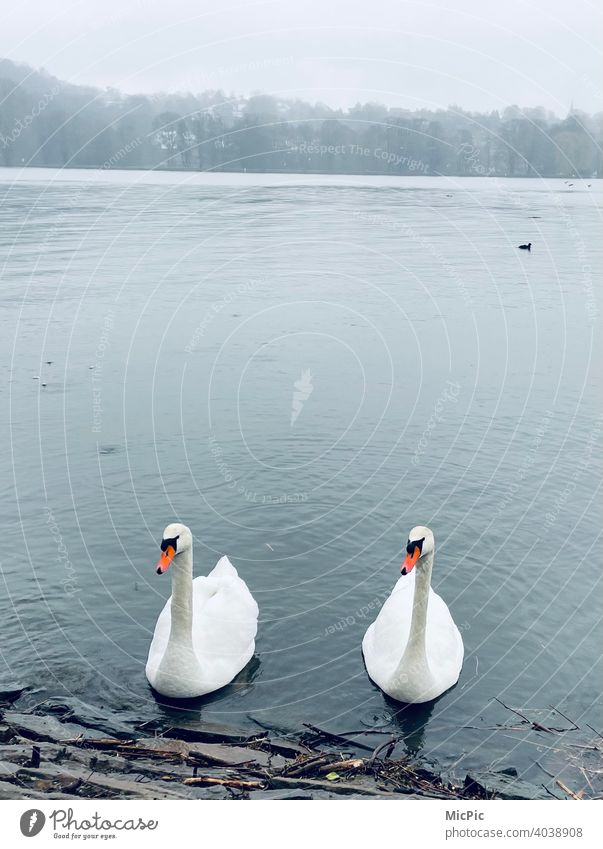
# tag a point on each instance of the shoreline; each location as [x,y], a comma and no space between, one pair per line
[288,173]
[65,749]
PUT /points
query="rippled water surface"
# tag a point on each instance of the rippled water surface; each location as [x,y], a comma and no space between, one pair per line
[301,369]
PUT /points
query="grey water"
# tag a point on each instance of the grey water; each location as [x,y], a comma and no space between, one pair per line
[303,368]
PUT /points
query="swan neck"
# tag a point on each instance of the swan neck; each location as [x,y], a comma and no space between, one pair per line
[415,649]
[182,598]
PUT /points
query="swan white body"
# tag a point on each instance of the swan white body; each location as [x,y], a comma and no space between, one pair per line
[413,651]
[205,634]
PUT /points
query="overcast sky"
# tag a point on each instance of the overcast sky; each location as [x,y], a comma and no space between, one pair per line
[478,54]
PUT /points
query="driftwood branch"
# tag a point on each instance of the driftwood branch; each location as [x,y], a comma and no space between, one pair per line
[536,726]
[567,790]
[236,783]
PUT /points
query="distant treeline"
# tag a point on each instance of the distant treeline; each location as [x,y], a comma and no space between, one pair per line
[46,122]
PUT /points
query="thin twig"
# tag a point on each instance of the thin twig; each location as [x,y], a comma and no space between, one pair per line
[598,733]
[339,737]
[583,771]
[576,726]
[549,791]
[544,770]
[566,790]
[536,726]
[387,744]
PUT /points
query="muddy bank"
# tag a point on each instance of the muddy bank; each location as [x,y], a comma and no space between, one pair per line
[66,749]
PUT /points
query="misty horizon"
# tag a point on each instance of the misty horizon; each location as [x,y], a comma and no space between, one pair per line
[408,55]
[46,122]
[528,110]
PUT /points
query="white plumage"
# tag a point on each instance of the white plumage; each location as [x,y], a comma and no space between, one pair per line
[414,651]
[205,634]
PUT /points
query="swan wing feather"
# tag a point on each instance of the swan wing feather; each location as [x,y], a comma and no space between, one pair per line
[225,617]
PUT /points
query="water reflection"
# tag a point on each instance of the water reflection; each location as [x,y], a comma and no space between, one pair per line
[412,720]
[189,709]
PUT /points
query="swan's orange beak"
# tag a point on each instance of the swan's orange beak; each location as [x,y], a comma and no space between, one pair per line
[410,561]
[166,558]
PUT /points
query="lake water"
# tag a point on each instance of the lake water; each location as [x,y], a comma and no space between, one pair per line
[443,378]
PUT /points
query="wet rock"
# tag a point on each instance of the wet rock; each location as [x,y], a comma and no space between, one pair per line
[497,785]
[204,732]
[213,753]
[6,733]
[281,746]
[10,692]
[14,791]
[114,785]
[348,788]
[474,789]
[510,770]
[235,755]
[7,770]
[293,794]
[209,793]
[74,710]
[45,728]
[94,760]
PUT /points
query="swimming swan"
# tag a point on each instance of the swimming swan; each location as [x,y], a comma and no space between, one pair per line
[205,634]
[413,651]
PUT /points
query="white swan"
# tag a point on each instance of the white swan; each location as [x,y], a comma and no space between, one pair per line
[205,634]
[413,651]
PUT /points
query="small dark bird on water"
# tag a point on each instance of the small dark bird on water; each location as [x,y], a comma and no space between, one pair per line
[527,247]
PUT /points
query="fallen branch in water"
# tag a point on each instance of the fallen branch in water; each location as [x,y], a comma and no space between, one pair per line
[567,791]
[320,733]
[388,744]
[536,726]
[236,783]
